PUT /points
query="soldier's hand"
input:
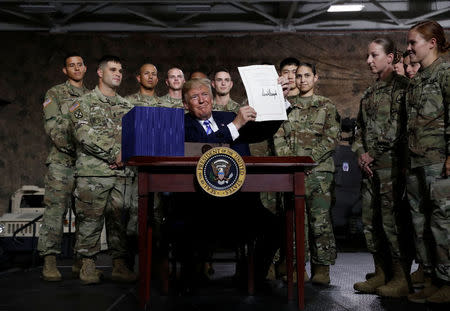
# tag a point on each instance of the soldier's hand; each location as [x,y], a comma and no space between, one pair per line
[365,163]
[245,114]
[284,85]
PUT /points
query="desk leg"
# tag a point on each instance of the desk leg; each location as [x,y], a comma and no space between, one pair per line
[289,250]
[145,241]
[300,236]
[300,247]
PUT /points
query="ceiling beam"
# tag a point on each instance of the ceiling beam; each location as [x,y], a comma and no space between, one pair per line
[320,10]
[427,16]
[388,13]
[149,18]
[256,10]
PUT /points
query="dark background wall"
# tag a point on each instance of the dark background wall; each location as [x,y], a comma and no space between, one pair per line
[32,62]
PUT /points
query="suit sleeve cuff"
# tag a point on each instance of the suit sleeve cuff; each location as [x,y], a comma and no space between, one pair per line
[233,131]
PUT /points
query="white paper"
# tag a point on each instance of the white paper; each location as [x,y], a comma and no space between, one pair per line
[264,93]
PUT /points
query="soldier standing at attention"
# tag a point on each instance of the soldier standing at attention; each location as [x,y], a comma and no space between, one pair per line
[312,130]
[379,145]
[101,178]
[175,81]
[222,83]
[428,182]
[288,69]
[59,181]
[147,77]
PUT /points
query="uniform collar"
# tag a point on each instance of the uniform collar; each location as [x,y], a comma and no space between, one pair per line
[305,102]
[425,73]
[105,99]
[383,83]
[73,90]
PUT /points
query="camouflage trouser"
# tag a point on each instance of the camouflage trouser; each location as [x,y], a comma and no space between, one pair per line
[100,200]
[380,196]
[59,186]
[319,228]
[429,198]
[160,202]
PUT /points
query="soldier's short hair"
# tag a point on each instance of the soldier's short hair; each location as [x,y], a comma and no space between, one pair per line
[310,65]
[221,69]
[289,61]
[193,83]
[71,54]
[108,58]
[138,71]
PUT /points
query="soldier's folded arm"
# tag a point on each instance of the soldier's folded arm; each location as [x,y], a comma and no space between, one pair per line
[97,144]
[281,143]
[93,141]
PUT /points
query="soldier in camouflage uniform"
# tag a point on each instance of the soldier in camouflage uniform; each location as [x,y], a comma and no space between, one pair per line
[379,144]
[429,150]
[174,81]
[312,129]
[222,83]
[59,181]
[147,77]
[101,179]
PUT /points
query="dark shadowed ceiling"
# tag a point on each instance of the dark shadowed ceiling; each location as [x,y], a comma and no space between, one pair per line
[192,17]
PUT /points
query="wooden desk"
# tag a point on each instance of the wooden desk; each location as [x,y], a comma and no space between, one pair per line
[264,174]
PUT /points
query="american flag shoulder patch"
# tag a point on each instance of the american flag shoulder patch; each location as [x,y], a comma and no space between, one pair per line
[74,107]
[47,102]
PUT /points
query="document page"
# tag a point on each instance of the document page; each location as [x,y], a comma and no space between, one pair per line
[264,93]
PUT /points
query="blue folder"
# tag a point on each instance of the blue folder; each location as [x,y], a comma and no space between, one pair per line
[153,131]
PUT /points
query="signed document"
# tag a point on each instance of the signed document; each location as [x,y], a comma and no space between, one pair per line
[264,93]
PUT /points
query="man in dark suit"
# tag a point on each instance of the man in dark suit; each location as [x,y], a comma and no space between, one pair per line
[202,218]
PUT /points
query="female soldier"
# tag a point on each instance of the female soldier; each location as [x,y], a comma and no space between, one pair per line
[379,145]
[429,151]
[312,130]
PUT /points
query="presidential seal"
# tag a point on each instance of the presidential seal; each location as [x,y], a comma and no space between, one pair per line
[221,171]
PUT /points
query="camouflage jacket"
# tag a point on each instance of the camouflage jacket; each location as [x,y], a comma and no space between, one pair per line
[381,122]
[139,99]
[167,101]
[57,123]
[97,123]
[230,106]
[429,115]
[312,129]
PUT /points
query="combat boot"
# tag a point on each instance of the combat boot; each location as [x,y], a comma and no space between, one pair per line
[441,296]
[88,274]
[427,291]
[418,277]
[49,271]
[320,274]
[76,267]
[369,286]
[121,273]
[398,286]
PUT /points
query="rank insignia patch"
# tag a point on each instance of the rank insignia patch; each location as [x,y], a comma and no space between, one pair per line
[221,171]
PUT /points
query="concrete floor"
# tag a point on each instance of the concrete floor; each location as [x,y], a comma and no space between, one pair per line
[23,289]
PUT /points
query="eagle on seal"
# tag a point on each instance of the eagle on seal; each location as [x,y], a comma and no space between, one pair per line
[221,169]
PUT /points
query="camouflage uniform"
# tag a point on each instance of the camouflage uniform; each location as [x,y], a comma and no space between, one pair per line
[99,193]
[312,130]
[140,100]
[167,101]
[59,181]
[428,139]
[381,134]
[230,106]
